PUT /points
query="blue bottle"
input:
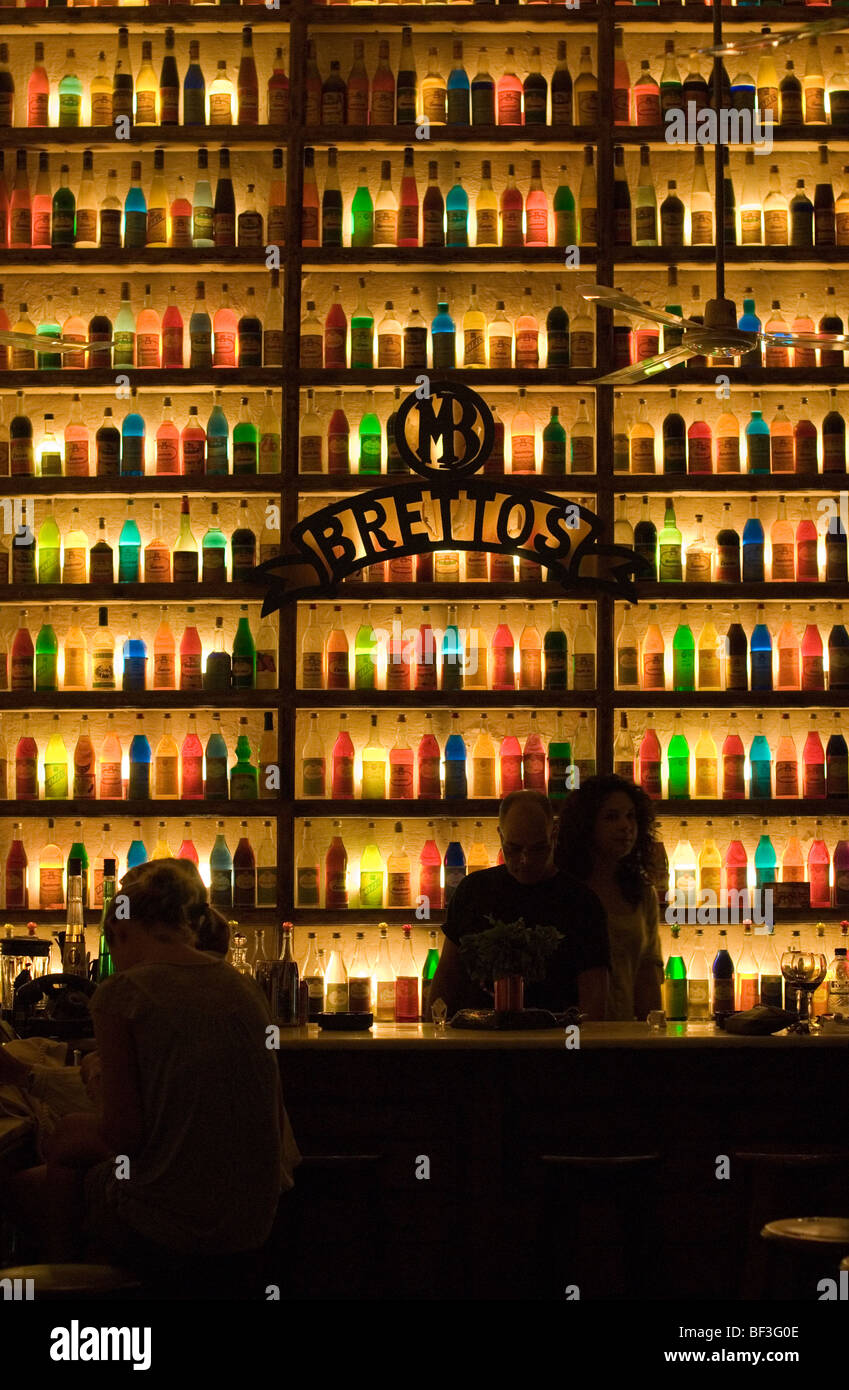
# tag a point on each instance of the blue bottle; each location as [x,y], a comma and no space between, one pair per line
[757,441]
[760,762]
[135,661]
[135,211]
[132,442]
[457,212]
[139,782]
[136,854]
[765,861]
[753,545]
[748,320]
[452,654]
[129,550]
[194,90]
[443,334]
[456,784]
[454,864]
[217,781]
[459,91]
[220,871]
[761,654]
[217,441]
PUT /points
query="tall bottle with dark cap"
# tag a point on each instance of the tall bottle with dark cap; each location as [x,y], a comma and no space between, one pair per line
[105,967]
[73,952]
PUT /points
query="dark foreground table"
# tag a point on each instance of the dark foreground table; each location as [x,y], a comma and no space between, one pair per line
[462,1120]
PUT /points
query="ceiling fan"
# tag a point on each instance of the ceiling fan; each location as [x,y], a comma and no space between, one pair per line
[43,342]
[718,335]
[755,43]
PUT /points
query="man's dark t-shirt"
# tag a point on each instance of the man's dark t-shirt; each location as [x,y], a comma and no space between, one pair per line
[561,901]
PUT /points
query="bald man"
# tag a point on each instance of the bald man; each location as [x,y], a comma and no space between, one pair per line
[528,885]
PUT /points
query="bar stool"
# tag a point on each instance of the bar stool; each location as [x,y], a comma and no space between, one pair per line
[772,1185]
[329,1239]
[585,1195]
[802,1251]
[59,1283]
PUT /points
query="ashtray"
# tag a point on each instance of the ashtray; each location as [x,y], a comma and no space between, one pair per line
[345,1023]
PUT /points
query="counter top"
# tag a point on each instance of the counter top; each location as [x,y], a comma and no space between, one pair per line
[403,1036]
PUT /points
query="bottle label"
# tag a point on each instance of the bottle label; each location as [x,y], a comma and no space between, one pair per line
[429,783]
[708,670]
[385,227]
[723,996]
[588,107]
[706,782]
[834,452]
[500,351]
[221,887]
[308,887]
[812,673]
[511,227]
[808,567]
[584,670]
[50,887]
[185,567]
[583,350]
[653,672]
[343,776]
[510,107]
[314,776]
[733,775]
[814,780]
[699,455]
[642,455]
[786,778]
[389,350]
[164,670]
[266,886]
[645,224]
[191,677]
[220,111]
[166,775]
[487,227]
[26,778]
[110,782]
[701,228]
[474,347]
[362,344]
[784,560]
[157,564]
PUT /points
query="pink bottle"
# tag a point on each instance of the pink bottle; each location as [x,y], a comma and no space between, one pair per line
[168,446]
[26,769]
[401,774]
[430,868]
[23,658]
[193,446]
[427,759]
[172,333]
[818,861]
[111,786]
[699,447]
[342,774]
[510,757]
[650,765]
[533,763]
[733,768]
[813,766]
[338,442]
[191,653]
[503,659]
[191,760]
[807,568]
[187,851]
[813,675]
[38,92]
[840,890]
[736,868]
[336,340]
[408,208]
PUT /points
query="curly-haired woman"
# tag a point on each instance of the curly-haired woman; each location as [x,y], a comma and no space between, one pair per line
[606,838]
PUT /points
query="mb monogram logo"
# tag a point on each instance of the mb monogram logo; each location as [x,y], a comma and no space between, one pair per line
[444,432]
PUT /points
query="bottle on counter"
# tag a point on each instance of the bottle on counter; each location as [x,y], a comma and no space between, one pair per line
[359,978]
[312,974]
[105,967]
[336,979]
[428,972]
[407,983]
[74,952]
[837,984]
[675,982]
[384,981]
[723,979]
[698,983]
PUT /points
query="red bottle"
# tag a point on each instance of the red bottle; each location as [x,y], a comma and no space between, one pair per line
[818,861]
[503,657]
[430,869]
[338,438]
[193,446]
[510,758]
[23,658]
[342,767]
[26,769]
[733,768]
[191,652]
[244,874]
[426,656]
[813,766]
[187,850]
[408,203]
[646,340]
[84,767]
[336,339]
[17,891]
[533,762]
[807,566]
[650,764]
[247,89]
[38,91]
[336,873]
[427,759]
[191,768]
[736,868]
[805,445]
[424,569]
[172,333]
[699,447]
[401,766]
[813,677]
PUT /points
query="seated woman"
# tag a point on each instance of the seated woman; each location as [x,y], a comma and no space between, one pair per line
[606,838]
[194,1145]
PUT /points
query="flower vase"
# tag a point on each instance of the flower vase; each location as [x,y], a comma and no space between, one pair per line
[509,993]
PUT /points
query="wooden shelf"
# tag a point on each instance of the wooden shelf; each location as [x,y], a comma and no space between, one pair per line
[476,136]
[135,810]
[367,916]
[234,137]
[152,485]
[692,484]
[49,917]
[359,482]
[487,18]
[743,593]
[445,699]
[745,257]
[805,136]
[93,260]
[731,699]
[388,258]
[759,378]
[34,595]
[476,808]
[57,701]
[108,18]
[692,809]
[543,377]
[455,593]
[159,378]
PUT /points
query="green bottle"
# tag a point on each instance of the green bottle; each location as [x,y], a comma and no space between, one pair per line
[46,656]
[244,778]
[555,649]
[63,223]
[554,445]
[369,440]
[362,331]
[669,547]
[214,551]
[49,548]
[565,218]
[70,94]
[78,851]
[49,458]
[675,983]
[362,213]
[683,655]
[678,758]
[245,443]
[105,967]
[559,763]
[243,666]
[428,972]
[365,655]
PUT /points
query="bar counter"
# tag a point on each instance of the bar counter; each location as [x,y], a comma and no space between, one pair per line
[485,1107]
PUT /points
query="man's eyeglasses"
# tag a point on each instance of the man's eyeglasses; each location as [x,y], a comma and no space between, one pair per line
[538,851]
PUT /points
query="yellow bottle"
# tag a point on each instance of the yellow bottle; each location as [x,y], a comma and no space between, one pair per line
[76,656]
[709,672]
[56,764]
[162,849]
[165,765]
[147,89]
[477,856]
[483,763]
[710,865]
[371,873]
[374,767]
[706,762]
[475,664]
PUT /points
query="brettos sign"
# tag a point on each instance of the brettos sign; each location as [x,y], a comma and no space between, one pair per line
[445,436]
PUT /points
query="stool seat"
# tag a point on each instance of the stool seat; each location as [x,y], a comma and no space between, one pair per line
[810,1231]
[792,1160]
[600,1162]
[74,1281]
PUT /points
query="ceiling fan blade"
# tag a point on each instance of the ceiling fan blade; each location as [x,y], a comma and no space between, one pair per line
[754,43]
[615,299]
[42,342]
[808,339]
[641,371]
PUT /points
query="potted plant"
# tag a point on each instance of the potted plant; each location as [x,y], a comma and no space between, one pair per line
[508,955]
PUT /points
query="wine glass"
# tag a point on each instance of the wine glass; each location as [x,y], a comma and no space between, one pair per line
[803,971]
